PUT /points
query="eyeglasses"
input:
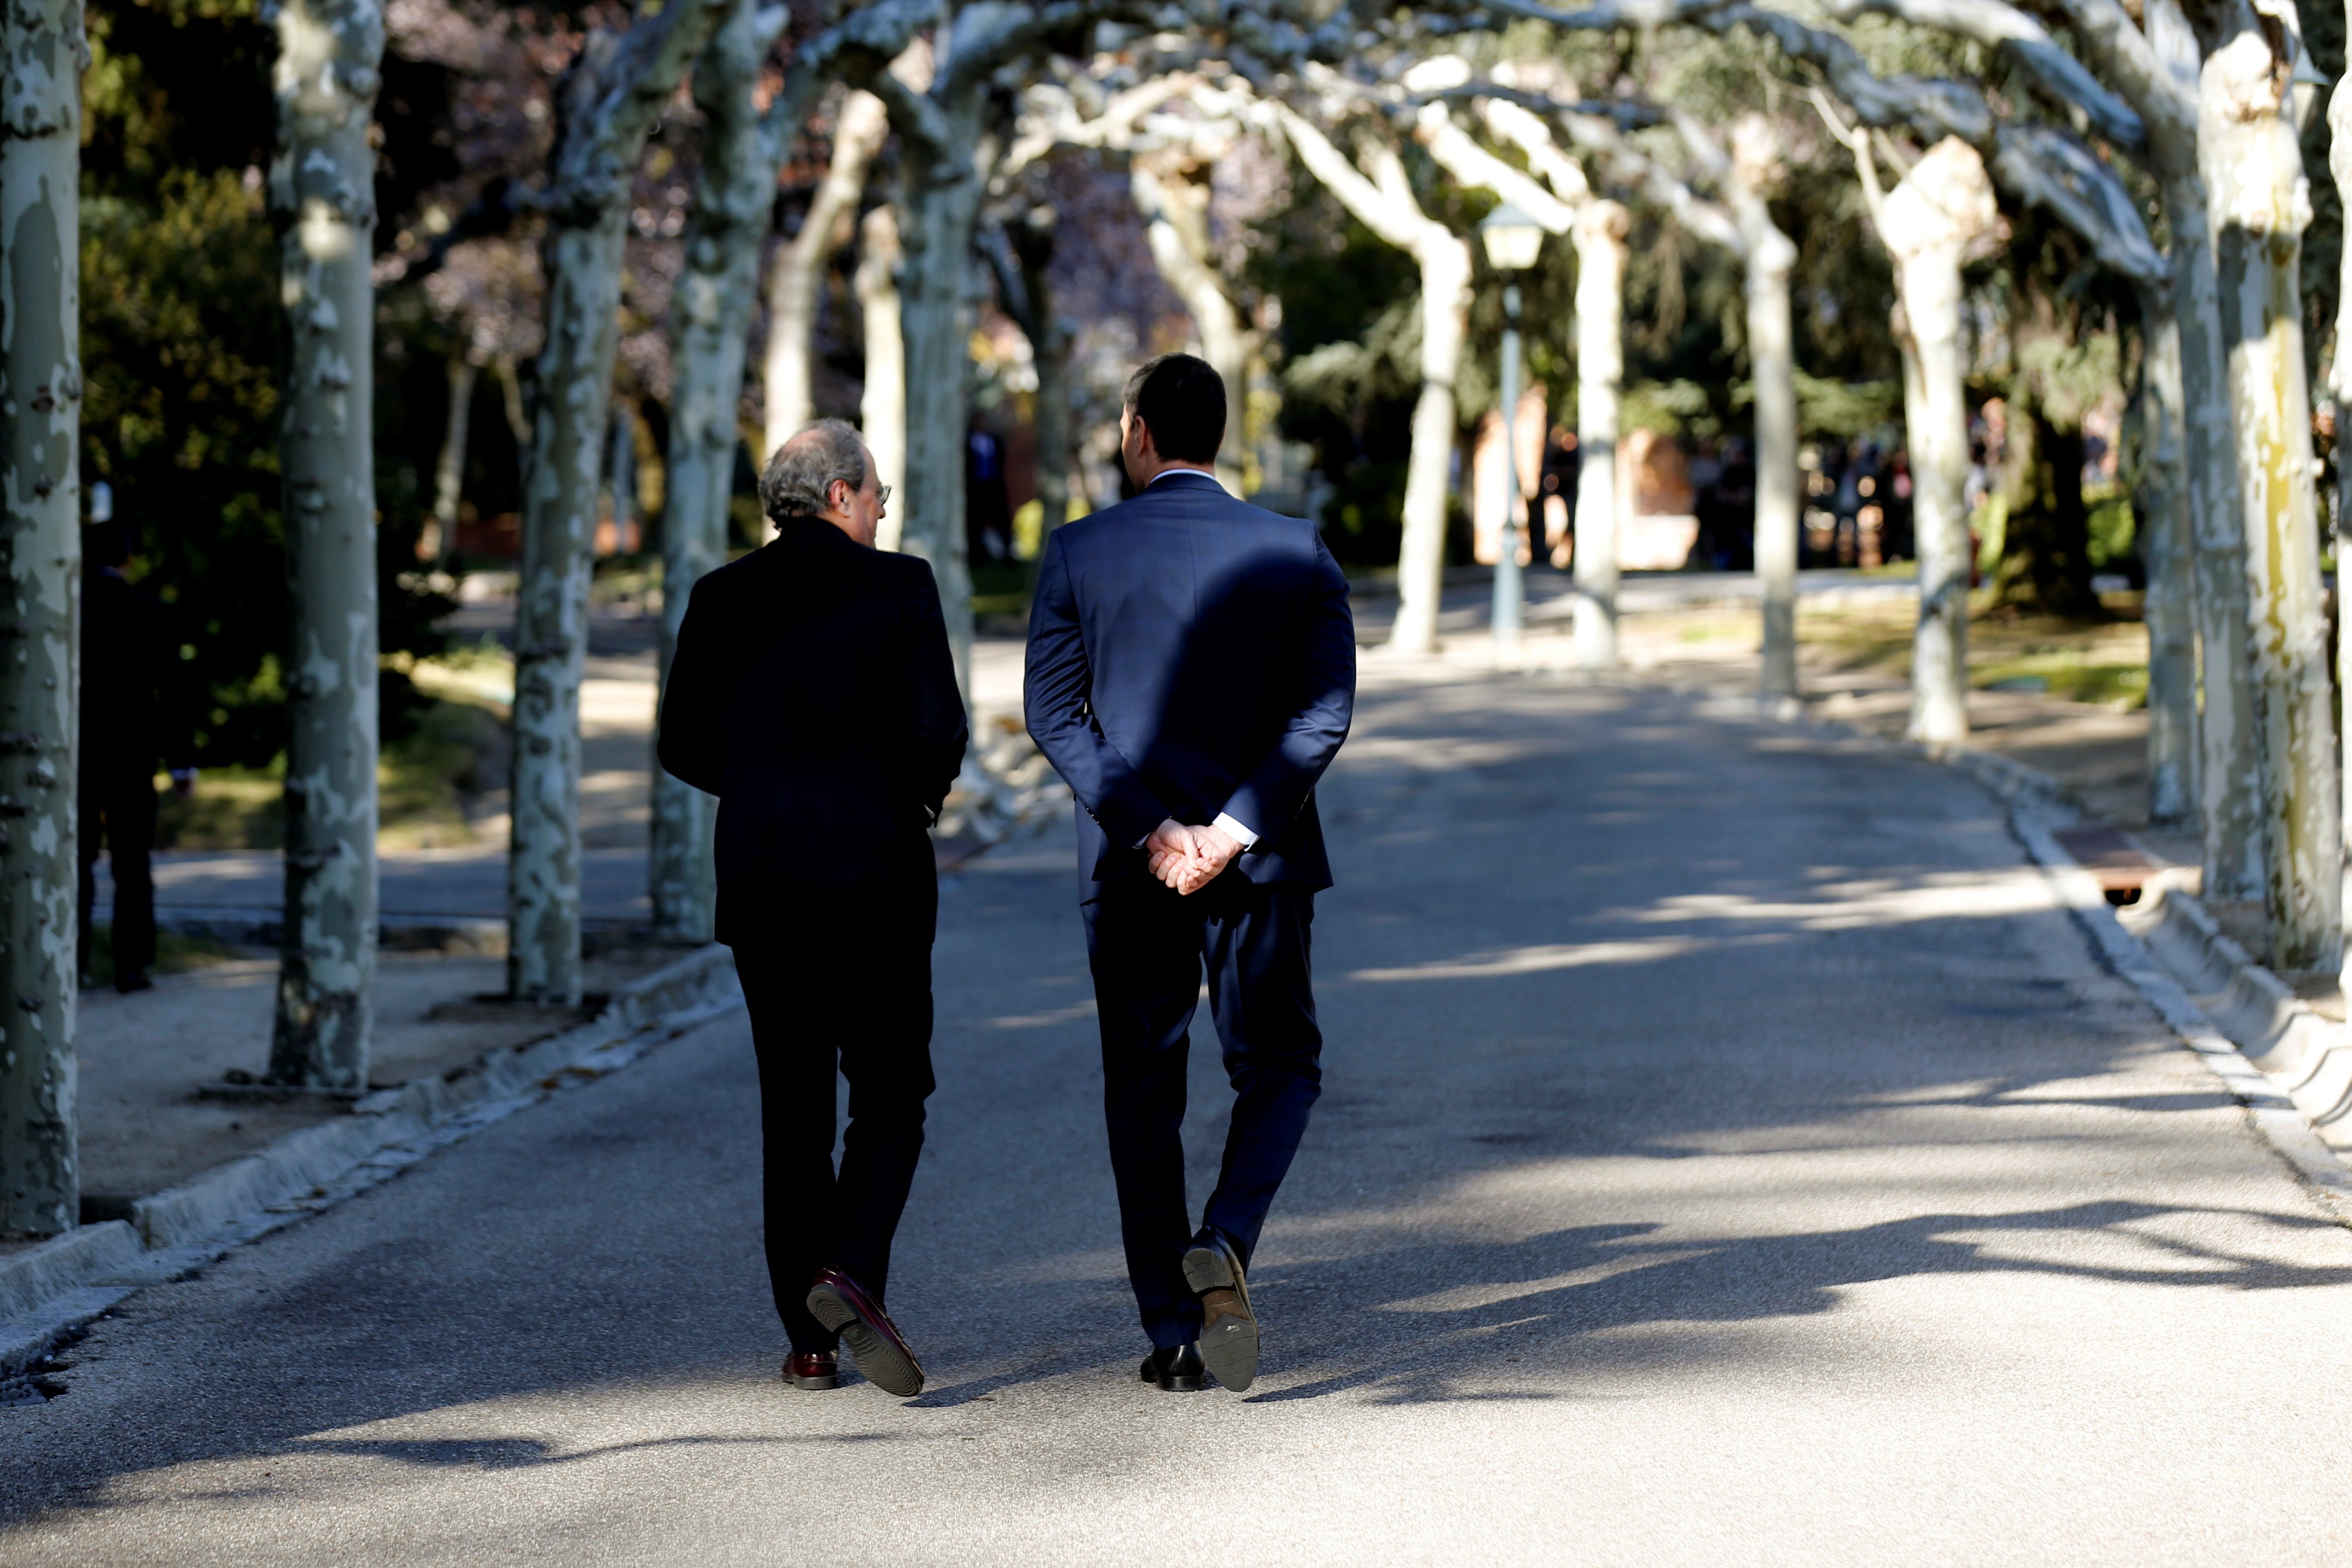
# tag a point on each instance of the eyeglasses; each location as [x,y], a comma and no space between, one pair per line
[885,497]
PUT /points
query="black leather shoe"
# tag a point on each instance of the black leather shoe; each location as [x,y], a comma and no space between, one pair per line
[1228,1328]
[1176,1370]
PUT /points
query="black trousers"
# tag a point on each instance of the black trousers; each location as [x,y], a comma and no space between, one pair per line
[839,983]
[117,809]
[1148,948]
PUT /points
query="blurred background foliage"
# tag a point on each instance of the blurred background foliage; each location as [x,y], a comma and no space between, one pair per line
[180,350]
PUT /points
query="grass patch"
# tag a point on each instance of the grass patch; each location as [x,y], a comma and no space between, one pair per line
[1000,588]
[1717,631]
[2102,662]
[231,808]
[423,781]
[2078,675]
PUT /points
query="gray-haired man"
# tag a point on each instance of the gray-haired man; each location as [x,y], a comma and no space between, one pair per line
[812,692]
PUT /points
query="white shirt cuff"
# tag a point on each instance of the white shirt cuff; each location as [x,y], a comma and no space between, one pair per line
[1226,824]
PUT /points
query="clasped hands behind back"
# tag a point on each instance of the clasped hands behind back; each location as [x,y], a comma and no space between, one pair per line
[1189,858]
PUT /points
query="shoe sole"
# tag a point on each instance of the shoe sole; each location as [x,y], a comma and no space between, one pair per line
[814,1382]
[1230,1350]
[885,1366]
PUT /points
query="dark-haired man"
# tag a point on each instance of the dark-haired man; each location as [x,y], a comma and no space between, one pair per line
[1192,673]
[812,692]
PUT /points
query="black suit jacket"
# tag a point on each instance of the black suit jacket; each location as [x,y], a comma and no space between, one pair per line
[1190,654]
[813,693]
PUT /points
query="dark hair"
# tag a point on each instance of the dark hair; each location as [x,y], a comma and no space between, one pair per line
[1182,401]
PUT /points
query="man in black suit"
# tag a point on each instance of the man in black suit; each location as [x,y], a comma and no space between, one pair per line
[813,693]
[1191,672]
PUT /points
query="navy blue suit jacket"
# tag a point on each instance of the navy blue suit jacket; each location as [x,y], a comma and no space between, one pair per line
[1190,654]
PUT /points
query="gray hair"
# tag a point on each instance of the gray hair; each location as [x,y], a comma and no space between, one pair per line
[798,481]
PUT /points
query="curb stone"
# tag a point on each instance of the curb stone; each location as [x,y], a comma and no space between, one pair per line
[50,1291]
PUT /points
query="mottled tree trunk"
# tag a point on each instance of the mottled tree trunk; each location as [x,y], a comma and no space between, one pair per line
[573,389]
[882,404]
[2165,547]
[711,309]
[608,104]
[1049,345]
[1382,201]
[1771,361]
[1421,556]
[1601,229]
[938,210]
[1175,208]
[1024,257]
[2229,749]
[2045,553]
[797,275]
[1928,222]
[449,472]
[2339,391]
[322,196]
[40,573]
[2253,168]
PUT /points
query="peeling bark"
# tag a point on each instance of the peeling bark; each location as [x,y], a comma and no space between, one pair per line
[2339,391]
[322,199]
[2165,543]
[1927,223]
[1601,229]
[938,208]
[607,105]
[2154,62]
[2254,175]
[40,576]
[711,309]
[798,270]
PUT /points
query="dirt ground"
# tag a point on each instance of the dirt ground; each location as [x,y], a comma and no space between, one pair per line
[143,1057]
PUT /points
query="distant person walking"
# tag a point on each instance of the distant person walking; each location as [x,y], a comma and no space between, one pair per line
[1191,672]
[813,693]
[135,714]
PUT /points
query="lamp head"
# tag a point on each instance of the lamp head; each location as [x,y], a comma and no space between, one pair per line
[1513,239]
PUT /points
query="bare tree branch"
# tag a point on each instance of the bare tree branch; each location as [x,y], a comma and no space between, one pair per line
[2061,78]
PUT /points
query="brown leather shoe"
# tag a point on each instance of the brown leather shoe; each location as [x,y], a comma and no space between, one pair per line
[812,1370]
[842,1305]
[1229,1331]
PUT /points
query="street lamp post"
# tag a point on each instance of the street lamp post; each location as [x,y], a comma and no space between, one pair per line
[1513,239]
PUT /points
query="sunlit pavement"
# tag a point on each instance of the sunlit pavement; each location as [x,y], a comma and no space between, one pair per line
[1728,1155]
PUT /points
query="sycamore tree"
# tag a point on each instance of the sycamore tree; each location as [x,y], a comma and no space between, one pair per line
[40,564]
[743,146]
[610,99]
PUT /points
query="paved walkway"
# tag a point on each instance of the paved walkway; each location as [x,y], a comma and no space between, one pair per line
[1729,1154]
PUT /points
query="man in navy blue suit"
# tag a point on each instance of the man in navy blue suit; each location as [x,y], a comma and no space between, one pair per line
[1192,673]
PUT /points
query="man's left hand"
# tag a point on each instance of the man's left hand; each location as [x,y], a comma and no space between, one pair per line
[1212,850]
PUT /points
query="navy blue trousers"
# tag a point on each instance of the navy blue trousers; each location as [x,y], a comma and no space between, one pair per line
[1147,948]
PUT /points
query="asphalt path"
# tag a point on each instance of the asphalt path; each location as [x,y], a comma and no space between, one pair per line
[1730,1153]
